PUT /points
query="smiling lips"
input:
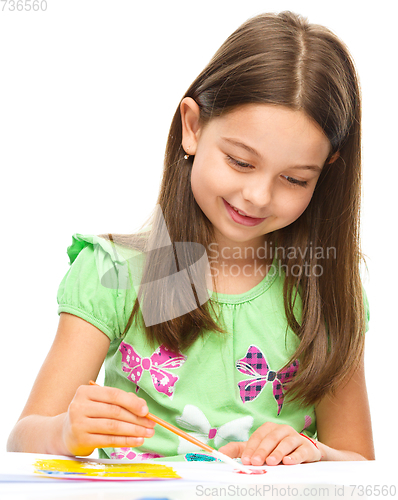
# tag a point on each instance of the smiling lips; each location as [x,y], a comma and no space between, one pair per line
[240,217]
[244,213]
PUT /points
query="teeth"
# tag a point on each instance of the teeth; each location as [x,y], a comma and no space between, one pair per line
[240,213]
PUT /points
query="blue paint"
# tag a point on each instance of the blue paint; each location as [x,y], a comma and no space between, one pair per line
[199,457]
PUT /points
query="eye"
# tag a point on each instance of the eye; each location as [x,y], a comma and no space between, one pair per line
[247,166]
[296,182]
[238,163]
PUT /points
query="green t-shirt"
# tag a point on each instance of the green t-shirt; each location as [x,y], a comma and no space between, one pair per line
[219,390]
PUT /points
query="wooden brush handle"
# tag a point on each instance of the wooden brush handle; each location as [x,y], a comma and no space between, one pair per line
[179,432]
[174,429]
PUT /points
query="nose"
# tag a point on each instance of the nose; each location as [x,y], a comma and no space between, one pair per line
[258,194]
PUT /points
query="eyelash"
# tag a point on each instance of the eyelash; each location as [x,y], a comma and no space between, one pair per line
[246,166]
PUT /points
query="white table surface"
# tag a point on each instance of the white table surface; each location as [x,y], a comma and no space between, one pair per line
[322,480]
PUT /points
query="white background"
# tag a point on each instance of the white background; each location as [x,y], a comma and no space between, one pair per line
[87,93]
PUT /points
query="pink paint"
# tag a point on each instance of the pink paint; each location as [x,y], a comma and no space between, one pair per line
[251,471]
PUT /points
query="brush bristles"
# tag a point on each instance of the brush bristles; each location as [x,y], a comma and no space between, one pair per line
[231,461]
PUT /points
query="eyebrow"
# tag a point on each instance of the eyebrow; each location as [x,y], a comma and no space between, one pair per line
[251,150]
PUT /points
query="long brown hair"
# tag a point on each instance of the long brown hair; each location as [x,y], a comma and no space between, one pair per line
[279,59]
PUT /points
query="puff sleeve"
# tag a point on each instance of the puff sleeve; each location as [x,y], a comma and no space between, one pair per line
[367,311]
[96,286]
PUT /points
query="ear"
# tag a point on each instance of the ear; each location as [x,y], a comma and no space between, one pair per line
[334,157]
[190,114]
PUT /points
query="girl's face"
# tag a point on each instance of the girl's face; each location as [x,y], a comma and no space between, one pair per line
[250,159]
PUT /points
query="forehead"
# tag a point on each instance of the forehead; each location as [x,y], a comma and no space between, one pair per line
[273,128]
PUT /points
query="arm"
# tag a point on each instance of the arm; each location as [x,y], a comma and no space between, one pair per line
[343,425]
[63,414]
[343,422]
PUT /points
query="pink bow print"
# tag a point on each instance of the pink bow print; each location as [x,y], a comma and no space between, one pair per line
[162,358]
[255,364]
[128,453]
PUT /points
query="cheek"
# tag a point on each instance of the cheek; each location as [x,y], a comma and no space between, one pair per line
[206,177]
[198,180]
[295,206]
[200,185]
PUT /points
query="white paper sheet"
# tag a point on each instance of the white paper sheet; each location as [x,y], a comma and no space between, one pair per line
[203,480]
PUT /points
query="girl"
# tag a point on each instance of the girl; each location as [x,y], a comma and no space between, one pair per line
[258,352]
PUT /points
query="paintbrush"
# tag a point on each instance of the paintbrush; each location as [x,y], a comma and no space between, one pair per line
[203,446]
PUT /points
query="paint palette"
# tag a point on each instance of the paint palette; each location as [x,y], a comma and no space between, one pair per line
[75,469]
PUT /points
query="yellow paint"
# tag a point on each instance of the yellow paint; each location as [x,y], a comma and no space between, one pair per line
[75,469]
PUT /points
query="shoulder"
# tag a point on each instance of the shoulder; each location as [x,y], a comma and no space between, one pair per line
[99,258]
[99,285]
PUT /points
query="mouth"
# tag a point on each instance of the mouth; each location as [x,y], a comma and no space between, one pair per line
[241,217]
[241,212]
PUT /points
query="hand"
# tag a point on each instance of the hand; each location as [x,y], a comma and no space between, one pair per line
[100,417]
[273,444]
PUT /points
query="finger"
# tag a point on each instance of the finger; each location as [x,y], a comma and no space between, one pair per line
[108,441]
[262,442]
[233,449]
[253,443]
[298,456]
[302,454]
[116,396]
[96,409]
[116,428]
[284,448]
